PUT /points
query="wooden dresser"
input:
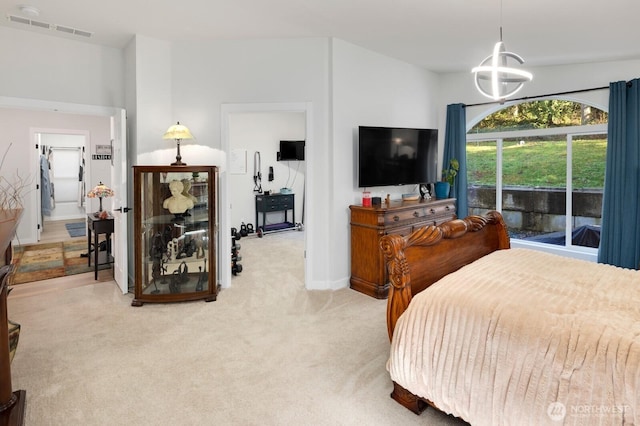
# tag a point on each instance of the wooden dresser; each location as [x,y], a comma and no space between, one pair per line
[369,224]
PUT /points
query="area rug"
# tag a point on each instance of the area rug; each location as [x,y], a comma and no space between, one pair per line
[51,260]
[76,229]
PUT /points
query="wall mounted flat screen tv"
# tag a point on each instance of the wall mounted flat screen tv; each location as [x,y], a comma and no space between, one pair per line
[396,156]
[291,151]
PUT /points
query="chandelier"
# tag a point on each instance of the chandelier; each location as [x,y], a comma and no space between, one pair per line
[495,77]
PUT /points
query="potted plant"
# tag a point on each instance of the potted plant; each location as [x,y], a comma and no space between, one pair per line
[443,188]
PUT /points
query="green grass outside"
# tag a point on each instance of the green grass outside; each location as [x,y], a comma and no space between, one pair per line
[538,163]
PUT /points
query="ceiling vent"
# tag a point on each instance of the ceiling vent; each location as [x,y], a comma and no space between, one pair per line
[47,26]
[27,21]
[73,31]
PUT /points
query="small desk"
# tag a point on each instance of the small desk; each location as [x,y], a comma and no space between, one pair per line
[275,203]
[98,226]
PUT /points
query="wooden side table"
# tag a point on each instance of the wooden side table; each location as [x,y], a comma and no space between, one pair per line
[99,226]
[12,403]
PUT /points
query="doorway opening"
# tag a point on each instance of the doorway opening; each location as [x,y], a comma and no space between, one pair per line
[241,154]
[61,181]
[106,127]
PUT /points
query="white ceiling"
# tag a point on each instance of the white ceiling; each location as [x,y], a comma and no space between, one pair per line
[442,36]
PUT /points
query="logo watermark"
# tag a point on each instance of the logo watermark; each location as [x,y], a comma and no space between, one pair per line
[557,411]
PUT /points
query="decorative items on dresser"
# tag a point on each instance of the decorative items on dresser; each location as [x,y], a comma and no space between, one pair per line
[369,224]
[175,233]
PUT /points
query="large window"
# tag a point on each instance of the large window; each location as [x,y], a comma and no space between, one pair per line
[542,165]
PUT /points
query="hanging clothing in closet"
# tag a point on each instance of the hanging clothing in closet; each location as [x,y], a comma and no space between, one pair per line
[81,183]
[46,191]
[52,185]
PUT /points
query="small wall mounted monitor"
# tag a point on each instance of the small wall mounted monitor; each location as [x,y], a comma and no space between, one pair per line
[291,151]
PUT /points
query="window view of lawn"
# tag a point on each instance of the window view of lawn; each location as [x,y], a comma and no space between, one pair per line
[538,164]
[533,164]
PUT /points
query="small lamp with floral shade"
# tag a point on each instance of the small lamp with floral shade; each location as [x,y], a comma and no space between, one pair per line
[100,191]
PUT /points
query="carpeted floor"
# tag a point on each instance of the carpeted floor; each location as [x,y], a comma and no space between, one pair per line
[268,352]
[38,262]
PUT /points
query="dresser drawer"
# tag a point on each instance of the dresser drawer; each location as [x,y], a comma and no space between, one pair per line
[430,214]
[402,230]
[442,213]
[404,216]
[274,203]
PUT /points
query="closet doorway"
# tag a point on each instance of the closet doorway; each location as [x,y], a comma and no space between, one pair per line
[62,181]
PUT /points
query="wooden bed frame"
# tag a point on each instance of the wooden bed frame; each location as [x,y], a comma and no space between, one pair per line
[420,259]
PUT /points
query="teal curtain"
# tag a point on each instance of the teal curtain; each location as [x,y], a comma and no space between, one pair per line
[620,233]
[455,146]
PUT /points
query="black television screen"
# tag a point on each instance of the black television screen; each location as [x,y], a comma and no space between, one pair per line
[396,156]
[291,150]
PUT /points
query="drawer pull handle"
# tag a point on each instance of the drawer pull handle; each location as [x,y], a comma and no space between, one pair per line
[416,214]
[448,208]
[432,211]
[396,218]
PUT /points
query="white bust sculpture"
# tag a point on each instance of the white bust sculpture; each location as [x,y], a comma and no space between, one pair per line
[186,183]
[177,203]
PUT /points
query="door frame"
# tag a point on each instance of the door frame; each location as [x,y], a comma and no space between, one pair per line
[35,167]
[225,207]
[71,108]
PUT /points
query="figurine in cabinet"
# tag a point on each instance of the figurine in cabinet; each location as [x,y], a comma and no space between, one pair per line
[178,203]
[186,184]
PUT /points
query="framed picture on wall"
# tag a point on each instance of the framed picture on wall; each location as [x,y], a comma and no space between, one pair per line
[238,161]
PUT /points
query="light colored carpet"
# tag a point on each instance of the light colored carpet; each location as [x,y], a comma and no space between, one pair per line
[267,352]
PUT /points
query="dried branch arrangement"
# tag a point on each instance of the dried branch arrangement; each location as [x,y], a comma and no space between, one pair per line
[12,192]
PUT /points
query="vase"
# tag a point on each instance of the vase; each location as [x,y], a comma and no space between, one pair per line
[442,190]
[9,220]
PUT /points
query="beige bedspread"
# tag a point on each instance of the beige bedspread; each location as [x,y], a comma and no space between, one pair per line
[524,337]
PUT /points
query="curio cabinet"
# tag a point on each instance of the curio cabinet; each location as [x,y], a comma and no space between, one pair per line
[175,230]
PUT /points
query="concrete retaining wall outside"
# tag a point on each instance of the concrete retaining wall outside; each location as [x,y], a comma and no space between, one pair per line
[538,209]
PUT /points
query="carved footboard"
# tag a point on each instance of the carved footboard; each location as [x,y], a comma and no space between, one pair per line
[420,259]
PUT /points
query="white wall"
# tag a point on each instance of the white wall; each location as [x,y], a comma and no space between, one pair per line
[48,71]
[261,132]
[151,102]
[205,76]
[38,66]
[369,89]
